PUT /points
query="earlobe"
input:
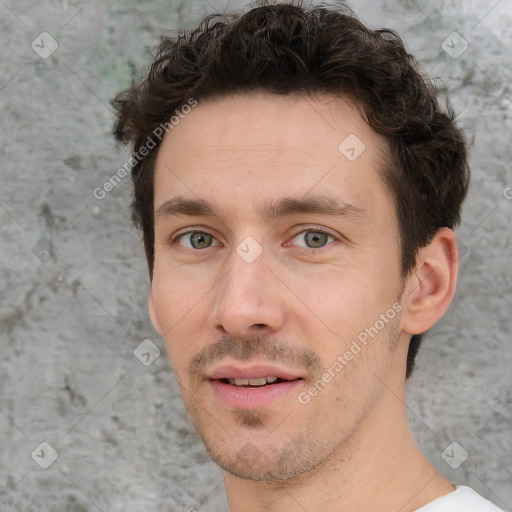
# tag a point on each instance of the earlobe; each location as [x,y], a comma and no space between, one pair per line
[152,312]
[431,286]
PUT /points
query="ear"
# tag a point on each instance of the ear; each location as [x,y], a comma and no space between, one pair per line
[430,287]
[152,312]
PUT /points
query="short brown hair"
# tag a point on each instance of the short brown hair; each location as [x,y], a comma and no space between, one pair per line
[284,48]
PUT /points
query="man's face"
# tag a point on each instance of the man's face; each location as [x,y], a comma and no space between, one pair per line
[253,295]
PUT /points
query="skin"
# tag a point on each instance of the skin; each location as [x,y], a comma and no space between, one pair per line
[297,305]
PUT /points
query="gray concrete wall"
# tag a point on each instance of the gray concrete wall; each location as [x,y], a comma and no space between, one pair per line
[73,282]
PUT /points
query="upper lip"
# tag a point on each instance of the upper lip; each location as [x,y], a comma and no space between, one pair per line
[251,372]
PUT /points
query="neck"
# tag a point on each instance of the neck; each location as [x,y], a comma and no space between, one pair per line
[379,468]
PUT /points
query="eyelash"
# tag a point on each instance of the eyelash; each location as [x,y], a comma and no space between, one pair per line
[314,229]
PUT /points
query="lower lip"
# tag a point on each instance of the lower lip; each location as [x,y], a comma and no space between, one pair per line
[253,398]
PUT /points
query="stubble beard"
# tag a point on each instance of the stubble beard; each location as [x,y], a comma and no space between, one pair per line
[276,458]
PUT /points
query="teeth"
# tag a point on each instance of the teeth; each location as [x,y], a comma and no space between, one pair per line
[252,382]
[239,382]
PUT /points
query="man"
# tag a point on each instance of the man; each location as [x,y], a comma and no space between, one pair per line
[297,183]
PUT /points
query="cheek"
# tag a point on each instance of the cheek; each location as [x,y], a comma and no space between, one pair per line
[180,311]
[346,318]
[173,295]
[341,301]
[361,372]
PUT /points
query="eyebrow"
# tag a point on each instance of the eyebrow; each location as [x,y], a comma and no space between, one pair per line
[322,205]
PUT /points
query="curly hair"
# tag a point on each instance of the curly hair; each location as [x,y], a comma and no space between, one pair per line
[286,48]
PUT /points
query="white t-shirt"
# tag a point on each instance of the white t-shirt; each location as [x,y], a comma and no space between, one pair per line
[462,499]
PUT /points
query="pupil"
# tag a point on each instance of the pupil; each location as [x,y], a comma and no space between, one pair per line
[317,239]
[200,238]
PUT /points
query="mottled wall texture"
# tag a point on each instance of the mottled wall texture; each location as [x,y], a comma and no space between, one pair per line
[89,418]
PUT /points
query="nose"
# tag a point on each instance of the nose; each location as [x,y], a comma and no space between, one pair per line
[247,301]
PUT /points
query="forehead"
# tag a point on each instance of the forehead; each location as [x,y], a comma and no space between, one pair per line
[261,143]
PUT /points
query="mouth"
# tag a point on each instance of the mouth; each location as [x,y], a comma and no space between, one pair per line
[253,387]
[255,383]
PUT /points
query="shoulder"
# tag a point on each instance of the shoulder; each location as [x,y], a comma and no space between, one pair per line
[462,499]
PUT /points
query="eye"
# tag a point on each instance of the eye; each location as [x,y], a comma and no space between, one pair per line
[314,238]
[195,239]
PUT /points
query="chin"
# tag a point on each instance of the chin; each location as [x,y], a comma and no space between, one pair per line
[270,463]
[258,472]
